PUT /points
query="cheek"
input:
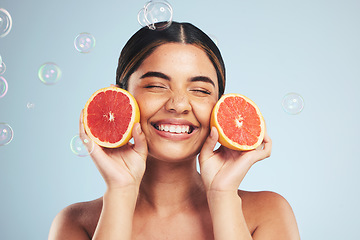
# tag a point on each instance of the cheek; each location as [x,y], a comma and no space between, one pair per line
[144,106]
[148,105]
[203,112]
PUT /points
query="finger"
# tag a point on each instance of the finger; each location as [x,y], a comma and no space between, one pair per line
[82,133]
[266,139]
[261,146]
[140,145]
[90,145]
[208,148]
[81,122]
[267,145]
[265,150]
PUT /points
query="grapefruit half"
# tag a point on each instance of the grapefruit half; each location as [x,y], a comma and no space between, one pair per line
[109,116]
[239,122]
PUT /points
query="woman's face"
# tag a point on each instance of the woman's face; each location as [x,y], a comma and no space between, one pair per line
[176,88]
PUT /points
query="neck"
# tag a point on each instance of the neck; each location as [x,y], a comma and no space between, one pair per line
[168,186]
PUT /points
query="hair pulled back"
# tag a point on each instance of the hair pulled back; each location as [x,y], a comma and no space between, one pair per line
[145,41]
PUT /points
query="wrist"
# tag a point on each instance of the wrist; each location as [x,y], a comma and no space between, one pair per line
[223,199]
[221,194]
[128,192]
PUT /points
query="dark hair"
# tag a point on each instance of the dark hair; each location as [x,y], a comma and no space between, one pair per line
[145,41]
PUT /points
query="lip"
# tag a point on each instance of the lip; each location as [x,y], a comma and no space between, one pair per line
[174,136]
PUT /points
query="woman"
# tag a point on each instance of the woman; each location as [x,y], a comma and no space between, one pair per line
[153,188]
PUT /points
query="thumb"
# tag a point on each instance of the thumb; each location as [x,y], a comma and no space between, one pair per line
[89,144]
[208,148]
[140,145]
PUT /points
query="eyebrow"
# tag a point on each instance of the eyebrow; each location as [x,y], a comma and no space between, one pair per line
[164,76]
[155,74]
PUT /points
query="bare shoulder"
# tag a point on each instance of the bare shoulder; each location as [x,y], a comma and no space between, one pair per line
[264,202]
[76,221]
[269,215]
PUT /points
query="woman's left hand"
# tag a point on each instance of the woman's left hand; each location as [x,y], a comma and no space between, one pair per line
[224,169]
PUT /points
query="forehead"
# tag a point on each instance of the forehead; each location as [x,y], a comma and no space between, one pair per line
[180,57]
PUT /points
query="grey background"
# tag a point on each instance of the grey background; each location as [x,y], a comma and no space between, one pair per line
[270,48]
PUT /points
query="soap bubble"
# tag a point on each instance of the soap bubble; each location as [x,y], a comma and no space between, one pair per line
[141,18]
[3,86]
[30,105]
[156,14]
[0,60]
[2,68]
[5,22]
[84,42]
[6,134]
[293,103]
[81,147]
[49,73]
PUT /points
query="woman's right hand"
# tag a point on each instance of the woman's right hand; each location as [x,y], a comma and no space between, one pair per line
[121,167]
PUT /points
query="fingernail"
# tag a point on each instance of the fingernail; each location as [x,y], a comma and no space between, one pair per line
[212,132]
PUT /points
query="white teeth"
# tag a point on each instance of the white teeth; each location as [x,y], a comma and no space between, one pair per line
[185,129]
[174,128]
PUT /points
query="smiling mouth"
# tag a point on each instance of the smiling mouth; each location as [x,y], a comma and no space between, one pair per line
[177,129]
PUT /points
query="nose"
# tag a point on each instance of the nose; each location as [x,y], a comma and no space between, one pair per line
[178,102]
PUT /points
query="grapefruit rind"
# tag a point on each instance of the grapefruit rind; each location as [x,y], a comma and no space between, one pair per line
[135,118]
[226,141]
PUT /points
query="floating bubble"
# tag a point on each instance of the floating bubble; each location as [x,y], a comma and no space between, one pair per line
[2,68]
[156,14]
[49,73]
[81,147]
[30,105]
[84,42]
[6,134]
[3,86]
[141,18]
[0,60]
[293,103]
[159,14]
[5,22]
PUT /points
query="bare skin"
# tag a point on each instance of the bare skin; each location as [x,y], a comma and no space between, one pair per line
[260,210]
[153,188]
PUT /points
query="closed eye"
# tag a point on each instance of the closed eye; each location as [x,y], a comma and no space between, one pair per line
[154,86]
[202,91]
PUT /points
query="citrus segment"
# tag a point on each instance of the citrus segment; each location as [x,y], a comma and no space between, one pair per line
[109,116]
[239,122]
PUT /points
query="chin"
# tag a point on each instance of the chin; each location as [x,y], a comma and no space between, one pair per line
[173,154]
